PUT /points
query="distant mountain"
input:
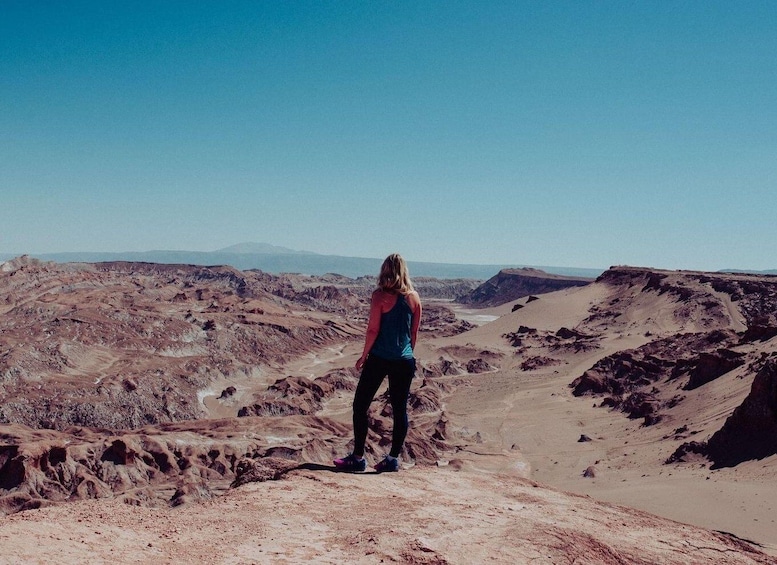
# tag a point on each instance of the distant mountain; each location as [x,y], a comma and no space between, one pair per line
[261,249]
[273,259]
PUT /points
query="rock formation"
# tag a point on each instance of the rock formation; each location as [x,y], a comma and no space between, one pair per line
[723,315]
[512,284]
[751,430]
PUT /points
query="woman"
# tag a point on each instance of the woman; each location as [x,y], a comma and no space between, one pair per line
[395,315]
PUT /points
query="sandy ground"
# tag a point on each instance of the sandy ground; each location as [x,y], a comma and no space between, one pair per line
[536,414]
[545,424]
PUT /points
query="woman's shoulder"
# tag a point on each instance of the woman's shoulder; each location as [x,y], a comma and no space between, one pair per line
[413,298]
[381,295]
[388,296]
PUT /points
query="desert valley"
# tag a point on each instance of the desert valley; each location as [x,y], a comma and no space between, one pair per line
[179,413]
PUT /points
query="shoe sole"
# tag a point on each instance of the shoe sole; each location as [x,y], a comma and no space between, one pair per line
[386,470]
[343,469]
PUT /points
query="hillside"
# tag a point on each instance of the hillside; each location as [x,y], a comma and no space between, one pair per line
[641,363]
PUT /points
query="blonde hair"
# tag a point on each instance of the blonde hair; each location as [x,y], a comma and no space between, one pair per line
[394,276]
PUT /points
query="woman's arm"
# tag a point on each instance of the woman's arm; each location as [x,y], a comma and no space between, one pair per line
[415,306]
[373,327]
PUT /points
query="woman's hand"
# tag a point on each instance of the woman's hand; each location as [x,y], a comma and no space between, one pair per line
[360,362]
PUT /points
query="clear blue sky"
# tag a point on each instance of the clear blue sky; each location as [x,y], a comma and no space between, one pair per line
[579,134]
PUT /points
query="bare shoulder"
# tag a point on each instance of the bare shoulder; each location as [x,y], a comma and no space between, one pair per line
[380,295]
[413,299]
[384,299]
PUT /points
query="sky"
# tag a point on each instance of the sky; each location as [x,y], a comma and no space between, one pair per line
[576,134]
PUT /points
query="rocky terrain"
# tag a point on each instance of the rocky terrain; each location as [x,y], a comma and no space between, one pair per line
[174,387]
[751,430]
[420,516]
[120,345]
[103,356]
[343,295]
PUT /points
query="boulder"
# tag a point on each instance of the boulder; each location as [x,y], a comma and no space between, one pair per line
[710,366]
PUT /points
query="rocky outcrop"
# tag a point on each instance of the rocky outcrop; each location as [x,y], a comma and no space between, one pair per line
[478,365]
[699,296]
[299,395]
[192,460]
[442,367]
[755,295]
[751,431]
[530,340]
[538,362]
[759,332]
[439,321]
[709,366]
[512,284]
[261,470]
[627,379]
[448,289]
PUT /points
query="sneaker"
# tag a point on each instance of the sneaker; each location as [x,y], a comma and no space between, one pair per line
[351,464]
[388,465]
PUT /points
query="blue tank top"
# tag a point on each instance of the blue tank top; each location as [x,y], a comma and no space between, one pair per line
[393,341]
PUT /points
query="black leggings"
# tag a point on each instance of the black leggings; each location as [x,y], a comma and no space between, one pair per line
[400,374]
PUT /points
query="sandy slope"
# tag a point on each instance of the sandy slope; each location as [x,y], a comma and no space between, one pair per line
[424,515]
[530,416]
[535,413]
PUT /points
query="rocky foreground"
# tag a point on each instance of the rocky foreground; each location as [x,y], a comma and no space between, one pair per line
[420,515]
